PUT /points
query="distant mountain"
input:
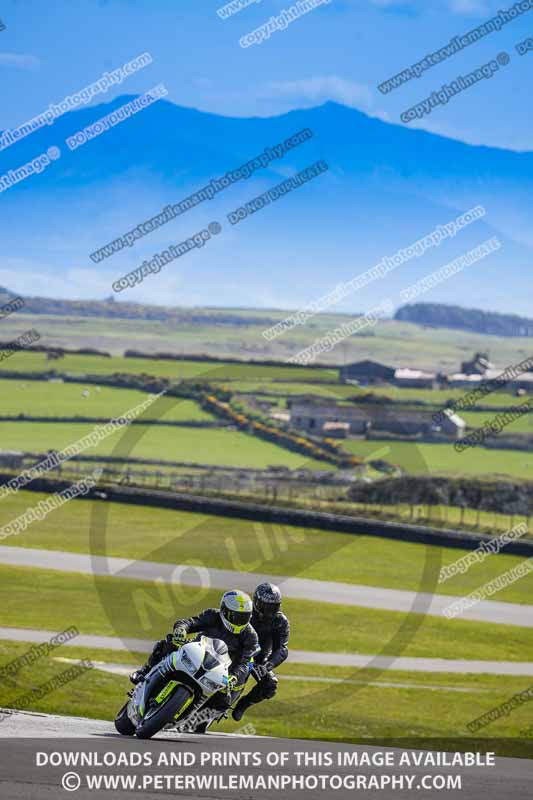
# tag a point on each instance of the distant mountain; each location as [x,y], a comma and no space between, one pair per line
[387,186]
[467,319]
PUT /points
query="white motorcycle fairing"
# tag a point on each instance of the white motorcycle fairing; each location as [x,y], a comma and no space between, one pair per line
[202,666]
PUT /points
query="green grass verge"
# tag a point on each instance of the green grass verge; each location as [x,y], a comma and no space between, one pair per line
[359,707]
[177,537]
[454,517]
[51,600]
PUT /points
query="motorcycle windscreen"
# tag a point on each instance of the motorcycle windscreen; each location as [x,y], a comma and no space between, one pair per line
[215,654]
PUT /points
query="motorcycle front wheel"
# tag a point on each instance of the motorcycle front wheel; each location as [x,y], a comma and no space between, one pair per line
[123,724]
[158,716]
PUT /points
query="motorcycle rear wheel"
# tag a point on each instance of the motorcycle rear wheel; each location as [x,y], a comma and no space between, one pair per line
[157,718]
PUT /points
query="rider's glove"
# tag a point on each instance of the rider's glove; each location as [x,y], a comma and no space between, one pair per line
[259,671]
[232,683]
[179,636]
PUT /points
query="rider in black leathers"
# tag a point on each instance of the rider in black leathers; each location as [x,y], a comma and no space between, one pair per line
[231,623]
[273,630]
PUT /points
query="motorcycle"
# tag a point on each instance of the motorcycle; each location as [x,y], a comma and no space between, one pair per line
[174,693]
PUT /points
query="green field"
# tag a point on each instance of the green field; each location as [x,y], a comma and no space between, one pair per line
[366,704]
[238,332]
[52,600]
[288,388]
[195,445]
[443,459]
[163,535]
[439,397]
[522,424]
[51,399]
[436,398]
[79,365]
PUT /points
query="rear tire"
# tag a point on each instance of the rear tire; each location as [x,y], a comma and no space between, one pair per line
[123,724]
[162,716]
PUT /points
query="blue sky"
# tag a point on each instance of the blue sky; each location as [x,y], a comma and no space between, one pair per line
[339,51]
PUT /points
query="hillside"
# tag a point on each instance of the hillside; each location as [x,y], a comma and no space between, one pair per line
[386,187]
[110,309]
[238,333]
[490,323]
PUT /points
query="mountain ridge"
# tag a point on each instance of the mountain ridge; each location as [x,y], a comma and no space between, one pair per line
[385,188]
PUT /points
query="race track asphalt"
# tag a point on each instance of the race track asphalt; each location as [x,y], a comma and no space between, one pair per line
[143,646]
[296,588]
[25,734]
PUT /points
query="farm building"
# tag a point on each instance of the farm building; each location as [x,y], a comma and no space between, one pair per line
[12,459]
[330,419]
[338,430]
[313,417]
[479,365]
[452,424]
[416,379]
[367,372]
[522,382]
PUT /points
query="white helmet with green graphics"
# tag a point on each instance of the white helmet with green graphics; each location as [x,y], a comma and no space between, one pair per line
[235,610]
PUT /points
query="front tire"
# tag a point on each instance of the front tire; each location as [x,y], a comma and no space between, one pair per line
[123,724]
[159,717]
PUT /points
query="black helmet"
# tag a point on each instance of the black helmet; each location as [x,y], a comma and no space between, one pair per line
[267,600]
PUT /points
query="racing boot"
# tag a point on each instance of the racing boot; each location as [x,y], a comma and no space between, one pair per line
[242,706]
